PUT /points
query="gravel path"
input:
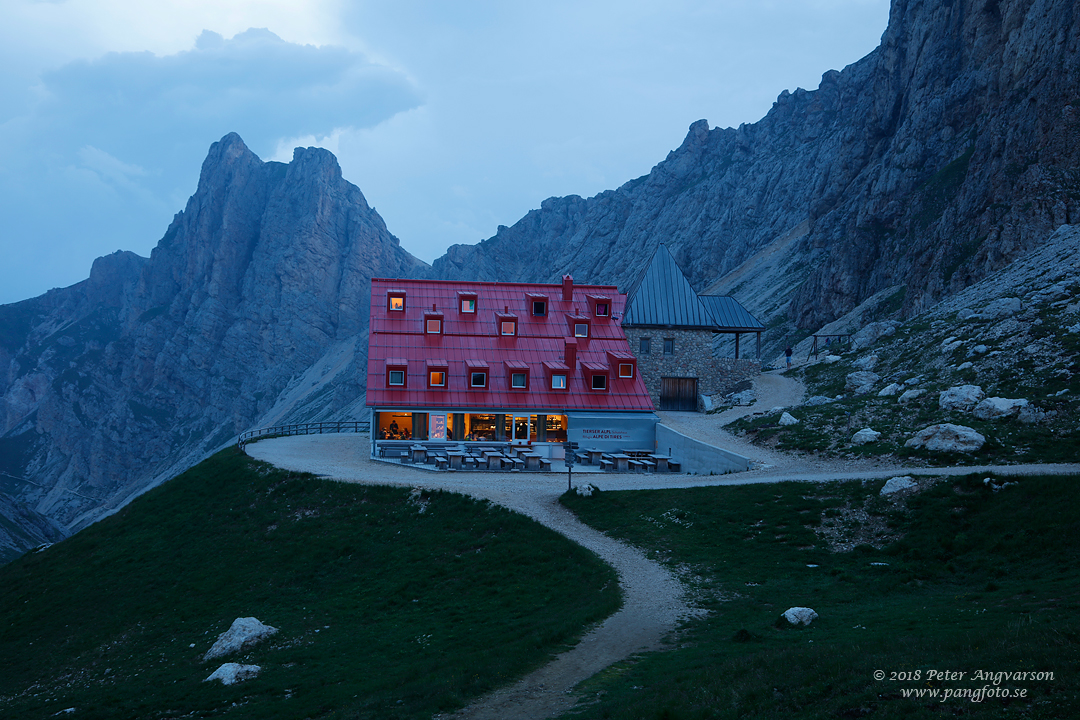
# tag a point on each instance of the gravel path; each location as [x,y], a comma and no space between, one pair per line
[654,600]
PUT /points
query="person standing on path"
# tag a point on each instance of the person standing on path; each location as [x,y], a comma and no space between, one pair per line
[787,354]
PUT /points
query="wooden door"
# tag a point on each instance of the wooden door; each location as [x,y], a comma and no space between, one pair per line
[678,394]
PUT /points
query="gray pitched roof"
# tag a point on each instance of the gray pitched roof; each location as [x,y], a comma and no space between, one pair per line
[728,314]
[663,297]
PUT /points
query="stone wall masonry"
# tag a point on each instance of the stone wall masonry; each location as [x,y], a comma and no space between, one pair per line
[693,357]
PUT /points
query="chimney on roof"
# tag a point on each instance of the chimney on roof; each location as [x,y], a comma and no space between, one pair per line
[570,353]
[433,306]
[567,288]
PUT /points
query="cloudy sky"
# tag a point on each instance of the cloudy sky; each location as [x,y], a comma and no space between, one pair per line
[451,117]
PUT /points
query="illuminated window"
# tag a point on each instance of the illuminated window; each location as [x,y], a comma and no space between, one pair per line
[433,325]
[581,330]
[599,382]
[626,370]
[396,302]
[539,307]
[519,380]
[669,346]
[396,377]
[643,346]
[508,327]
[468,305]
[436,378]
[558,382]
[601,309]
[478,379]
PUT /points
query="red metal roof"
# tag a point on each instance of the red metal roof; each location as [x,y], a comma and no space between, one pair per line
[472,340]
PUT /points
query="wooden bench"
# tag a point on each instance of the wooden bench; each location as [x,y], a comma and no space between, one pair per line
[607,464]
[646,464]
[674,465]
[516,462]
[636,465]
[442,463]
[545,465]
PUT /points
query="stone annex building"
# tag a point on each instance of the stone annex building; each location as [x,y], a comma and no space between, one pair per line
[672,329]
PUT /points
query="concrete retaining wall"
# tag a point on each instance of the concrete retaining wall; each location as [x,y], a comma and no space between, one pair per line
[697,457]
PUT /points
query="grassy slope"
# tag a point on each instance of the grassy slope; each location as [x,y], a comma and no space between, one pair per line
[974,580]
[384,611]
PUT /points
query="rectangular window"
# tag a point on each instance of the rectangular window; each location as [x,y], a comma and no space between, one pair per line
[539,307]
[508,327]
[601,309]
[396,377]
[433,325]
[478,379]
[599,382]
[436,378]
[643,346]
[558,382]
[626,370]
[669,346]
[581,330]
[396,302]
[468,305]
[518,380]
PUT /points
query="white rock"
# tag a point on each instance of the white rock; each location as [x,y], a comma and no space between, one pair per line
[946,437]
[865,436]
[998,407]
[961,397]
[232,673]
[1000,308]
[788,419]
[818,400]
[832,359]
[243,633]
[889,390]
[861,381]
[1074,328]
[896,484]
[964,365]
[873,332]
[910,395]
[980,350]
[585,490]
[946,349]
[966,314]
[800,615]
[746,397]
[868,362]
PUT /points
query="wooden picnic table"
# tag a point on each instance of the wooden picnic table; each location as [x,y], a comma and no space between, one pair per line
[595,455]
[532,460]
[661,461]
[419,453]
[456,457]
[621,460]
[494,459]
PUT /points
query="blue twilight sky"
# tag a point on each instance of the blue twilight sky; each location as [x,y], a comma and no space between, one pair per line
[452,118]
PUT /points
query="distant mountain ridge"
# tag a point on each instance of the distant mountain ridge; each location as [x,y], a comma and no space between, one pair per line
[948,151]
[115,383]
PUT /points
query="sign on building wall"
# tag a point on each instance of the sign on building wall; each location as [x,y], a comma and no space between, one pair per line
[631,431]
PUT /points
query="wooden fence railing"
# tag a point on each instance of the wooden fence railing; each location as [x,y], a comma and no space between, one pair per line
[319,428]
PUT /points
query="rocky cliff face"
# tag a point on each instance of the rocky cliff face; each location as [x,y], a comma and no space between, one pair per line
[150,363]
[947,152]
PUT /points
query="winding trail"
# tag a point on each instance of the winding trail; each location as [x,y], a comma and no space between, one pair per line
[654,601]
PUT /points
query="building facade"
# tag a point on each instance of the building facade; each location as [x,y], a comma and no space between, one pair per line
[522,363]
[672,329]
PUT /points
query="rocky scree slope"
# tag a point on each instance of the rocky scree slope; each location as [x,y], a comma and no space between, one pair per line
[947,152]
[120,381]
[1001,357]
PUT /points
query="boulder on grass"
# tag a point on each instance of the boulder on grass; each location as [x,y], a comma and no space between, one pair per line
[910,395]
[873,332]
[889,390]
[232,673]
[788,419]
[865,436]
[242,634]
[962,397]
[946,437]
[800,615]
[998,407]
[861,381]
[896,484]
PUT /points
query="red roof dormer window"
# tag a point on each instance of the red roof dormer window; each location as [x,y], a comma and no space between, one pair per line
[579,325]
[478,374]
[596,376]
[624,364]
[600,304]
[467,303]
[558,375]
[433,322]
[395,301]
[506,324]
[538,304]
[397,373]
[438,374]
[517,375]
